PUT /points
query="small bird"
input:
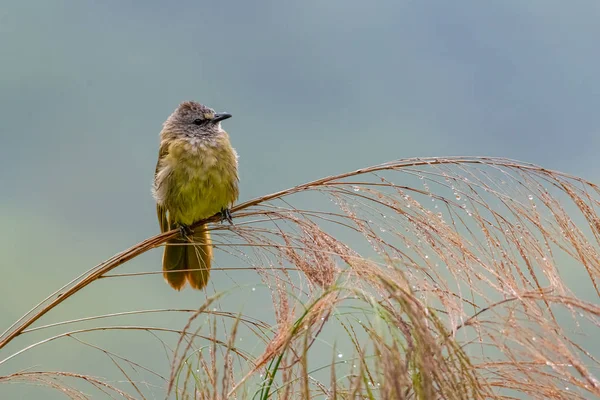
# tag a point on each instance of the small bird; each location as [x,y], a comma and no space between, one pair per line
[196,177]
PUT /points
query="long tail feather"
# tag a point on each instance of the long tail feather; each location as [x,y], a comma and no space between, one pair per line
[174,258]
[199,256]
[190,260]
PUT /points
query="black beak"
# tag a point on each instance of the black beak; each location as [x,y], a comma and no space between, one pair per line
[220,117]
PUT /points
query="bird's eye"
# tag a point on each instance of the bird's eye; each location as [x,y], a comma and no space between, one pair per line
[198,121]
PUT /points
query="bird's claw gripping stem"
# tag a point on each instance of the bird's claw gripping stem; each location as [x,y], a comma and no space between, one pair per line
[226,215]
[185,231]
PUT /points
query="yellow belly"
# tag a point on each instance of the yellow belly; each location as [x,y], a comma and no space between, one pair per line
[202,181]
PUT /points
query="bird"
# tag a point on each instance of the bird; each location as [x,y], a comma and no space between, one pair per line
[196,178]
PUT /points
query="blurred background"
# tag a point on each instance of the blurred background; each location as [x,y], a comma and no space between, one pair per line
[315,88]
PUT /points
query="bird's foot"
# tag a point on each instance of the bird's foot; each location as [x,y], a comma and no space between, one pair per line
[226,215]
[185,231]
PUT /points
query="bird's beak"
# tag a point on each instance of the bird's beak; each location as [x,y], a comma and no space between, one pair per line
[220,117]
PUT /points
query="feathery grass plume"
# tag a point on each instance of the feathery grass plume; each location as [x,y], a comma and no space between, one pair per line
[445,278]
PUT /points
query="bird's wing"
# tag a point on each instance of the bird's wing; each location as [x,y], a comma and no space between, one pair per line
[161,211]
[162,218]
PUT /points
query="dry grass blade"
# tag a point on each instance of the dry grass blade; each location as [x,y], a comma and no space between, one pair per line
[51,378]
[446,277]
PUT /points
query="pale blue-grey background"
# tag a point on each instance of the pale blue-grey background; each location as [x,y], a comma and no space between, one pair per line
[316,87]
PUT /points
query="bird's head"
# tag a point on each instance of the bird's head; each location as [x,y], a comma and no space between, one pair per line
[192,119]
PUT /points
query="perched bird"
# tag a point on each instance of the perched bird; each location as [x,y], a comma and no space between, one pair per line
[196,177]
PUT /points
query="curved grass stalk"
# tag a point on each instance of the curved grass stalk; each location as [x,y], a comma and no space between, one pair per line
[462,256]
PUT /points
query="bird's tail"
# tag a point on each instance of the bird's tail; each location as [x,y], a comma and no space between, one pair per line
[190,258]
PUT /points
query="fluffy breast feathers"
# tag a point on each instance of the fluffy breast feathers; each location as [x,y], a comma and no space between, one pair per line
[195,178]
